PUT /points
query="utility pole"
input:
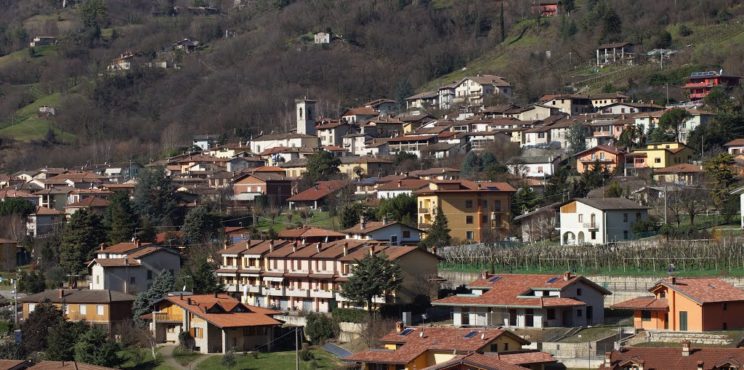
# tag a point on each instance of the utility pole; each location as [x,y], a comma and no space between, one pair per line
[15,301]
[665,204]
[297,348]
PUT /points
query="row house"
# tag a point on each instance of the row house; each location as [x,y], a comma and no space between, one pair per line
[290,275]
[605,99]
[106,309]
[629,108]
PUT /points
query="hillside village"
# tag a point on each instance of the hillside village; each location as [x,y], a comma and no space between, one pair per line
[452,229]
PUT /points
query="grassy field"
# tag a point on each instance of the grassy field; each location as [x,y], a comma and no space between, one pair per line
[141,359]
[281,222]
[274,361]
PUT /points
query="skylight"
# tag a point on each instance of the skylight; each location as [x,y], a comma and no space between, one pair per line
[494,279]
[471,334]
[553,279]
[406,331]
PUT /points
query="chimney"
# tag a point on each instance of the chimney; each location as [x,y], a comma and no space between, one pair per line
[317,247]
[346,248]
[685,348]
[371,250]
[674,280]
[61,293]
[398,327]
[102,246]
[271,246]
[484,274]
[607,359]
[421,333]
[181,295]
[362,222]
[384,220]
[398,183]
[215,294]
[137,243]
[567,275]
[700,365]
[188,301]
[224,245]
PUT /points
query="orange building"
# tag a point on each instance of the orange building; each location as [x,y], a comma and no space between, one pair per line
[688,304]
[605,156]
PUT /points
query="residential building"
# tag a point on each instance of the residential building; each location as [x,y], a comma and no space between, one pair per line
[735,147]
[688,304]
[473,90]
[361,166]
[359,115]
[608,158]
[310,234]
[424,100]
[696,119]
[615,53]
[216,323]
[42,41]
[630,108]
[437,173]
[536,112]
[480,141]
[410,143]
[275,187]
[447,95]
[291,275]
[546,8]
[91,204]
[475,211]
[662,155]
[104,308]
[405,186]
[131,267]
[394,232]
[539,224]
[700,84]
[288,140]
[601,100]
[44,221]
[534,166]
[568,104]
[684,358]
[528,301]
[318,196]
[331,132]
[421,347]
[680,174]
[599,220]
[205,142]
[322,38]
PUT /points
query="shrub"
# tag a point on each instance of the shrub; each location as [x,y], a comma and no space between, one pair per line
[306,355]
[350,315]
[320,328]
[228,360]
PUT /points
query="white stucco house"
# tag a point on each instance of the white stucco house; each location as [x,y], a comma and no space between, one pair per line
[387,231]
[528,301]
[535,166]
[599,220]
[131,267]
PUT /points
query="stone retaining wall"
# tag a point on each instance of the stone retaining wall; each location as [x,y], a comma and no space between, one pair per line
[678,337]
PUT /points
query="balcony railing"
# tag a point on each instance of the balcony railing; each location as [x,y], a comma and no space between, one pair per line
[275,291]
[301,293]
[163,317]
[321,293]
[424,210]
[590,225]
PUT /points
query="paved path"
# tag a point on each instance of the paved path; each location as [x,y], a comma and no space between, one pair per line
[167,353]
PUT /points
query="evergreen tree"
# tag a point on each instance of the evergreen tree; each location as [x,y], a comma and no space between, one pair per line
[401,208]
[36,328]
[576,138]
[321,166]
[373,276]
[121,218]
[612,26]
[61,339]
[161,286]
[95,348]
[81,235]
[200,226]
[672,119]
[471,166]
[439,233]
[524,200]
[202,278]
[31,282]
[719,170]
[154,197]
[16,206]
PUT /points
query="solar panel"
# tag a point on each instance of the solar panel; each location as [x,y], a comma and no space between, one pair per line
[493,279]
[552,280]
[406,331]
[471,334]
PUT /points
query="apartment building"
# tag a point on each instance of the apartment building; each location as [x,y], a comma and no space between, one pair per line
[291,275]
[475,211]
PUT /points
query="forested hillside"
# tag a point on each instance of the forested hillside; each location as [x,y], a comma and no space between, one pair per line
[256,56]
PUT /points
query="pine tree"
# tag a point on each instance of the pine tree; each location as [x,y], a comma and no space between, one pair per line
[154,197]
[200,226]
[36,328]
[439,233]
[95,348]
[61,337]
[81,235]
[373,276]
[161,286]
[121,218]
[321,166]
[471,166]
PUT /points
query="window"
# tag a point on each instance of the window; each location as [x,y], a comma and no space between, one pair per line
[468,204]
[31,307]
[497,205]
[131,280]
[484,219]
[539,169]
[638,216]
[551,313]
[581,218]
[67,309]
[579,312]
[83,309]
[578,291]
[593,235]
[98,280]
[149,274]
[625,217]
[506,346]
[625,234]
[725,306]
[469,220]
[645,315]
[657,160]
[469,235]
[99,310]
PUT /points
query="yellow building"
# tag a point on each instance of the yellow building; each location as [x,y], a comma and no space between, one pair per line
[661,155]
[421,347]
[105,308]
[475,211]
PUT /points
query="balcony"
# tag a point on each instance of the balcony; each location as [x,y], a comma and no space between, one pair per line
[164,317]
[231,288]
[424,210]
[321,293]
[275,291]
[254,289]
[341,298]
[299,293]
[590,226]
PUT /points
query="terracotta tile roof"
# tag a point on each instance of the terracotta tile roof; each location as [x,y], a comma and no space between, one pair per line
[121,248]
[327,125]
[90,202]
[361,111]
[223,311]
[66,365]
[12,193]
[371,226]
[672,358]
[44,211]
[604,148]
[418,340]
[681,168]
[405,138]
[703,290]
[735,142]
[424,95]
[404,184]
[476,360]
[524,358]
[506,290]
[489,80]
[435,171]
[321,190]
[78,296]
[643,303]
[13,364]
[465,186]
[307,232]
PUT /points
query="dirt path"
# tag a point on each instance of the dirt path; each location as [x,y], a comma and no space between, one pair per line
[170,361]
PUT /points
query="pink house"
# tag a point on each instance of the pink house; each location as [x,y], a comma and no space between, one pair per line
[547,8]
